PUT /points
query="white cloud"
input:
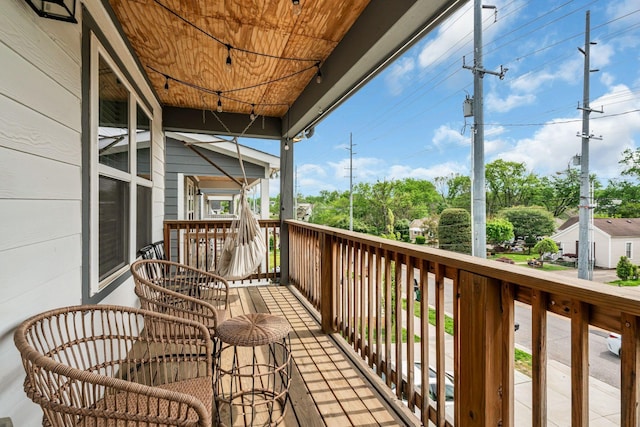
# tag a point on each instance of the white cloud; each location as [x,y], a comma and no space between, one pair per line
[455,36]
[607,79]
[441,169]
[399,74]
[364,168]
[601,54]
[553,146]
[311,169]
[445,136]
[503,105]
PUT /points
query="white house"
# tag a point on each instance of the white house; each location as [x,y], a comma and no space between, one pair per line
[611,237]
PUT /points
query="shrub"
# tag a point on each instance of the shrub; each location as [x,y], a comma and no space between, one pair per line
[454,230]
[624,269]
[420,240]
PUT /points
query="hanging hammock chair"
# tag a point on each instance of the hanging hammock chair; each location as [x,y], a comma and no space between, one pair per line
[244,247]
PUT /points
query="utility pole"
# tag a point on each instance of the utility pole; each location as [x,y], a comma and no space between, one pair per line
[585,267]
[478,187]
[351,153]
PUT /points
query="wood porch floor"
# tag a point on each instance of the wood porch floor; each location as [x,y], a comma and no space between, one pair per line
[326,388]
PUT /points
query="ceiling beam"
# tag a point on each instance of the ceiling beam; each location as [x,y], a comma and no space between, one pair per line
[191,120]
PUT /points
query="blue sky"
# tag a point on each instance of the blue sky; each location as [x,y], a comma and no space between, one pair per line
[408,121]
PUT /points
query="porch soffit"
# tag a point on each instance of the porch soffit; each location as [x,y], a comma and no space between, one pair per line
[352,41]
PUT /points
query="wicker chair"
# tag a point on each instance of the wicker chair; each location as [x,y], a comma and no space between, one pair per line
[181,291]
[98,365]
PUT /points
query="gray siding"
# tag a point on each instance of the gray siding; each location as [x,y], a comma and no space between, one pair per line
[180,159]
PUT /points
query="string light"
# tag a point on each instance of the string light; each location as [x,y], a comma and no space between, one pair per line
[296,4]
[297,8]
[219,109]
[229,56]
[286,145]
[318,73]
[166,82]
[224,93]
[252,116]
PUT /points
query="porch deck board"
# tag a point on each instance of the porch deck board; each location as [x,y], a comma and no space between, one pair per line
[326,389]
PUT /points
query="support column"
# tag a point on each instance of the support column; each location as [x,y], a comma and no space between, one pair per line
[286,205]
[264,198]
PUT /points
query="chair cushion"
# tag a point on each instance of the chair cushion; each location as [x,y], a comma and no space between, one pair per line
[129,403]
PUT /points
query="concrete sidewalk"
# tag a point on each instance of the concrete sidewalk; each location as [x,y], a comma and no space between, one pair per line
[604,400]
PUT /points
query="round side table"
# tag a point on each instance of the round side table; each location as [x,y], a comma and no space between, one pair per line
[252,385]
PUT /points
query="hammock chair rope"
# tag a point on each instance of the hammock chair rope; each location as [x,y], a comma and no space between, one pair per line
[244,247]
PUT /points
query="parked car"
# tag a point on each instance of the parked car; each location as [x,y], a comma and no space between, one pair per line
[433,387]
[614,342]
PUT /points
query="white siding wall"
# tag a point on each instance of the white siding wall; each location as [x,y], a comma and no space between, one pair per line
[40,178]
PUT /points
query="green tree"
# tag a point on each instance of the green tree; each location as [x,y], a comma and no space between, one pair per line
[631,161]
[509,184]
[529,221]
[454,191]
[545,246]
[402,228]
[560,192]
[624,269]
[454,230]
[499,230]
[274,207]
[420,198]
[619,199]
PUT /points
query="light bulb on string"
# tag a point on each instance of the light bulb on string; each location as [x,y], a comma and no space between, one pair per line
[228,62]
[219,109]
[297,7]
[286,145]
[166,83]
[318,74]
[252,116]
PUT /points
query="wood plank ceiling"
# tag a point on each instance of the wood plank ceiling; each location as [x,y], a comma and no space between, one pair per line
[184,44]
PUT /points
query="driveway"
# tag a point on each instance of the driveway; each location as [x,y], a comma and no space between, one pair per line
[599,274]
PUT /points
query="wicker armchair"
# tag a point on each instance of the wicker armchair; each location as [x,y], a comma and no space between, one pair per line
[181,291]
[117,366]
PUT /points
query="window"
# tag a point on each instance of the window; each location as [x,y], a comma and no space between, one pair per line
[119,165]
[628,247]
[113,235]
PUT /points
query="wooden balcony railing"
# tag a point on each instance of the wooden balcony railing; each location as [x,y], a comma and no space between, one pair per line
[198,244]
[363,286]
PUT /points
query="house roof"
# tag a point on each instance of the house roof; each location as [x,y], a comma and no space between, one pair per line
[275,55]
[615,227]
[222,184]
[228,148]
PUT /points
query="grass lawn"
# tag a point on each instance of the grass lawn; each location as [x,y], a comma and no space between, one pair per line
[520,258]
[625,283]
[522,359]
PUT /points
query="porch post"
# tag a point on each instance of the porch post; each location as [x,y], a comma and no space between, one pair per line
[286,205]
[264,198]
[480,375]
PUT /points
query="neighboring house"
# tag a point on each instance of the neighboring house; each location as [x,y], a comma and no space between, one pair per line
[423,227]
[195,187]
[304,211]
[611,238]
[416,229]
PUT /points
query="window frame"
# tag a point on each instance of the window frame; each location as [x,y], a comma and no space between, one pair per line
[95,48]
[628,250]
